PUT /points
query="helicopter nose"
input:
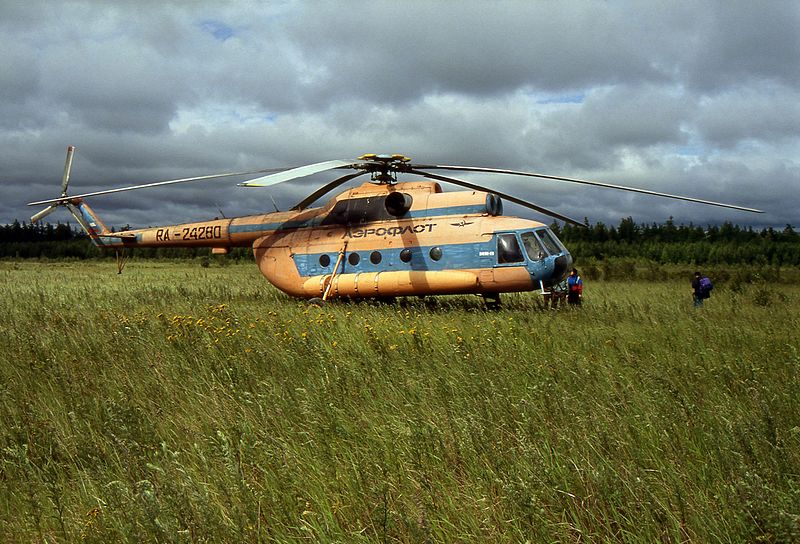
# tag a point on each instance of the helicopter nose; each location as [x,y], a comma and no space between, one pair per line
[561,267]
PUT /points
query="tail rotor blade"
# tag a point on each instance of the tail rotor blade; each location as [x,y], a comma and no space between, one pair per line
[44,213]
[67,170]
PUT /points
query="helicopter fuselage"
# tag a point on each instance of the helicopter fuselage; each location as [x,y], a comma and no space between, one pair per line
[377,240]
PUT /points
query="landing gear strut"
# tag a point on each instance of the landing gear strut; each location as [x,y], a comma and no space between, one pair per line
[492,301]
[122,259]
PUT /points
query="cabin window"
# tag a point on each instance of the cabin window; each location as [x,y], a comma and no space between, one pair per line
[324,261]
[353,259]
[436,253]
[533,247]
[405,255]
[375,257]
[549,241]
[508,249]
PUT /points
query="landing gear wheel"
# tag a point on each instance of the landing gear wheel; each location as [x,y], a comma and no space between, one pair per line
[492,302]
[316,301]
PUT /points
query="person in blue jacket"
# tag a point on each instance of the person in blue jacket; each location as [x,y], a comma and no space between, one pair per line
[574,288]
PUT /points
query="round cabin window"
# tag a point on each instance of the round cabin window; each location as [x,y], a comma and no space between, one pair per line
[436,253]
[354,259]
[324,261]
[405,255]
[375,257]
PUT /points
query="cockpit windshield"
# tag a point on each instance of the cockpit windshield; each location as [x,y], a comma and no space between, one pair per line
[537,244]
[541,243]
[550,242]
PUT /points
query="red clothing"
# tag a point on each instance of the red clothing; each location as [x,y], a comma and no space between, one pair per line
[574,289]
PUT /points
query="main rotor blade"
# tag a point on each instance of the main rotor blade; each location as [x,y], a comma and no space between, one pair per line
[67,170]
[156,184]
[587,182]
[310,199]
[44,213]
[510,198]
[299,172]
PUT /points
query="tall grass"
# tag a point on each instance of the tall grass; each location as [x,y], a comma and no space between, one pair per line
[175,403]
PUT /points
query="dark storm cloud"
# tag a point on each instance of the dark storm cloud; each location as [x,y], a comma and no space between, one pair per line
[740,42]
[470,47]
[694,98]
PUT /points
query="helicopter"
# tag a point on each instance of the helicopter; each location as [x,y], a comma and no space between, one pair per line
[380,240]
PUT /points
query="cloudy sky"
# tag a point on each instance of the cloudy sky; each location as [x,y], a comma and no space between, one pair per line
[694,98]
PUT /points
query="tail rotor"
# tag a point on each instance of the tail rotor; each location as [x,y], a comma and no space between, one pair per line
[64,185]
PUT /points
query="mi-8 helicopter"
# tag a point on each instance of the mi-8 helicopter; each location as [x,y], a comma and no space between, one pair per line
[382,239]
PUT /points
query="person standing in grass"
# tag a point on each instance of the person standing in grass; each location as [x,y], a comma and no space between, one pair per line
[574,288]
[701,289]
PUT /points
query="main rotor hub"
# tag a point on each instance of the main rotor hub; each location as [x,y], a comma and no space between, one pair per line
[384,167]
[372,157]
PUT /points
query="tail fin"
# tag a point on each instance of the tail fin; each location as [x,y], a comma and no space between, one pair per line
[89,222]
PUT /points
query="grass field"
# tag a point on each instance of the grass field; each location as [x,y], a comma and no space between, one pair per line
[175,403]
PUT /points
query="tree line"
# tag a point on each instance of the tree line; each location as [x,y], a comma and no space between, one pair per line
[665,243]
[64,241]
[668,243]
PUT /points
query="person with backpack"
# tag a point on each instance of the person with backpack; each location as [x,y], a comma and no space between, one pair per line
[574,288]
[701,289]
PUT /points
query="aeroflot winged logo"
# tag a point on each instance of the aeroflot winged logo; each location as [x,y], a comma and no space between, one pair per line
[389,231]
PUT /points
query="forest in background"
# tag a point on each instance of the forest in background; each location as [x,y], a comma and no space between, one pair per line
[665,243]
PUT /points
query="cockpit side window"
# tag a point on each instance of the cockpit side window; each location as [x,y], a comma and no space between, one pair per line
[533,247]
[508,249]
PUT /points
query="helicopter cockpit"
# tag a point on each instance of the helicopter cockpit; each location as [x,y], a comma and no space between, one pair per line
[542,253]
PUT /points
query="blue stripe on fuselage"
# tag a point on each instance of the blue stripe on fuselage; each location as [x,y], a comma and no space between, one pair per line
[454,257]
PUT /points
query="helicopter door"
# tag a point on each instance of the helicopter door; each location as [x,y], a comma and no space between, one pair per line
[298,246]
